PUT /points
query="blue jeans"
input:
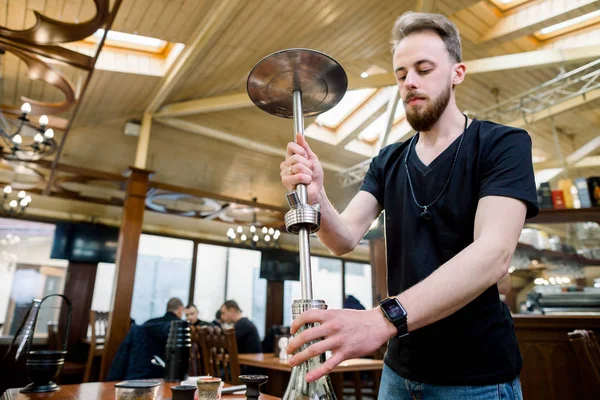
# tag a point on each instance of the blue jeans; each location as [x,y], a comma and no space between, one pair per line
[394,387]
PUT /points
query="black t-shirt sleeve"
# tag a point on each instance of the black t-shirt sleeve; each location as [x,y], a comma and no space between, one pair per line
[507,168]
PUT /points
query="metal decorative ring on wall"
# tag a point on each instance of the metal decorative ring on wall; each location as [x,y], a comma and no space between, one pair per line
[88,188]
[39,70]
[181,204]
[47,31]
[21,177]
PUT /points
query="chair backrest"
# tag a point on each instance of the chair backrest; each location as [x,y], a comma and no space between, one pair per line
[587,350]
[99,324]
[196,357]
[220,353]
[54,339]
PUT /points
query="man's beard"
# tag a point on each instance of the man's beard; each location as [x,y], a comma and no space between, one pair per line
[424,119]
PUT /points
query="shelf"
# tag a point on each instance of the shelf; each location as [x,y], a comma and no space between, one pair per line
[566,215]
[558,255]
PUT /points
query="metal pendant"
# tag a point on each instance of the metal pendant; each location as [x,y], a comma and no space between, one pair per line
[426,214]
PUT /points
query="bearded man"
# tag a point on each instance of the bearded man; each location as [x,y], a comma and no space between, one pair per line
[455,196]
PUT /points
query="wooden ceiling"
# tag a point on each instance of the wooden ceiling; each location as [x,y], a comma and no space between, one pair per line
[227,146]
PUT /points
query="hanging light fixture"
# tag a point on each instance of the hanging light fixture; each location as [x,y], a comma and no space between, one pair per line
[14,203]
[29,141]
[254,237]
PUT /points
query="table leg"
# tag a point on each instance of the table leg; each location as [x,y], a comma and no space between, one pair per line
[337,381]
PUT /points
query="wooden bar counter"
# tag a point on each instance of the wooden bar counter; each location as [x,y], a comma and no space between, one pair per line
[551,370]
[101,391]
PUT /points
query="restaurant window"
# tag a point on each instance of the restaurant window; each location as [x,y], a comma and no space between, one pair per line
[326,282]
[103,286]
[358,283]
[229,273]
[163,271]
[246,287]
[209,289]
[27,272]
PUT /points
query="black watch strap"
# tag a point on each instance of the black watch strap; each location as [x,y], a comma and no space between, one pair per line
[396,314]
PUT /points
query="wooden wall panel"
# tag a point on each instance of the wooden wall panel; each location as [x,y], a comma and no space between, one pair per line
[550,369]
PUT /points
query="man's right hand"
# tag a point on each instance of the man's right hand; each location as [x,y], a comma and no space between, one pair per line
[301,166]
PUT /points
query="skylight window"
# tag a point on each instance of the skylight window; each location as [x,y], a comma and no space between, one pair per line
[505,5]
[371,133]
[349,103]
[129,41]
[570,25]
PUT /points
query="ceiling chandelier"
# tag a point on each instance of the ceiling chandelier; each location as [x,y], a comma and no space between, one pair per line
[28,141]
[254,237]
[16,205]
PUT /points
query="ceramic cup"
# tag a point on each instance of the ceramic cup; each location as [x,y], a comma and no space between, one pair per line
[209,388]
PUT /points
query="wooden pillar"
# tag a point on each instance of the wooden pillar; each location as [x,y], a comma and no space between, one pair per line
[127,252]
[79,288]
[377,256]
[274,313]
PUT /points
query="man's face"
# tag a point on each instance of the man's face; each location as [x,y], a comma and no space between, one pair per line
[227,315]
[424,74]
[191,314]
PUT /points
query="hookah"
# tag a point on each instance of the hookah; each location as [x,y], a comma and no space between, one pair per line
[298,83]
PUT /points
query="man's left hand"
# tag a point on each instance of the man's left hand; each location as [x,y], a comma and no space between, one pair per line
[347,333]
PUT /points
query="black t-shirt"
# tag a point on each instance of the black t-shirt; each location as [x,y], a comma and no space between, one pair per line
[246,334]
[476,345]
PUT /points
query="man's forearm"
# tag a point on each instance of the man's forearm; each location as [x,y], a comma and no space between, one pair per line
[456,283]
[334,232]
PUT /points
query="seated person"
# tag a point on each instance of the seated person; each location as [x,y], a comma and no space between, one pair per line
[218,321]
[191,313]
[353,303]
[174,312]
[246,334]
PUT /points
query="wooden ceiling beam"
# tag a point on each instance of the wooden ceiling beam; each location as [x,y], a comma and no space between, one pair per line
[206,105]
[234,139]
[533,59]
[510,62]
[538,15]
[577,159]
[585,162]
[219,15]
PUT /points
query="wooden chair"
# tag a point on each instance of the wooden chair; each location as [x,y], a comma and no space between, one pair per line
[55,342]
[196,357]
[356,385]
[587,350]
[99,325]
[220,354]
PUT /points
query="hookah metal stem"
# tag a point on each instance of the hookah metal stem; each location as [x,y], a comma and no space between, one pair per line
[304,243]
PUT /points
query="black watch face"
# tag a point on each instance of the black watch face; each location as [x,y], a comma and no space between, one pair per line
[394,310]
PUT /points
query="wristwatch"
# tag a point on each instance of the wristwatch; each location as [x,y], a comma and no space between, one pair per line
[396,314]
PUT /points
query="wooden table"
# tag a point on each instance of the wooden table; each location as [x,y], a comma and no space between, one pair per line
[100,391]
[279,371]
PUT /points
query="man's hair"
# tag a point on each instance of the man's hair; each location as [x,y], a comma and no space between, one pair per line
[192,305]
[229,304]
[413,22]
[174,304]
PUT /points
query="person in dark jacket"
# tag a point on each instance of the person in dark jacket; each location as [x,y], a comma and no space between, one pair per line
[246,334]
[174,312]
[353,303]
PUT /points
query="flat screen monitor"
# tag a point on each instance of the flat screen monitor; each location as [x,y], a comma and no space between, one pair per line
[85,243]
[280,265]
